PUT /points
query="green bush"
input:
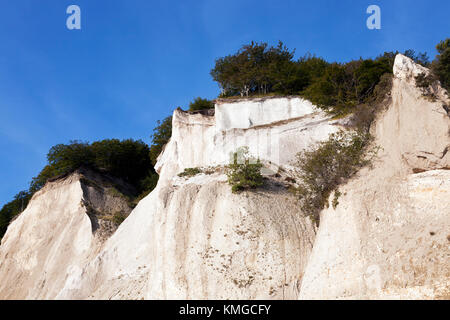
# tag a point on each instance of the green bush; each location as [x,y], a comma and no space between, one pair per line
[190,172]
[242,173]
[423,80]
[149,182]
[342,87]
[328,164]
[425,83]
[200,104]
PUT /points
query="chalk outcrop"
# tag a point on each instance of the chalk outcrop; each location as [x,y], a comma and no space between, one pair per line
[191,238]
[200,140]
[64,226]
[194,239]
[389,236]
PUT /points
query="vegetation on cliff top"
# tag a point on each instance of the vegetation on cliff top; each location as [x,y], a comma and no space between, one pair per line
[335,87]
[440,70]
[127,159]
[441,65]
[256,69]
[200,104]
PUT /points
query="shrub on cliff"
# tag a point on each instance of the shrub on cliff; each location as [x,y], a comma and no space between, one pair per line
[190,172]
[200,104]
[325,166]
[244,173]
[440,70]
[364,114]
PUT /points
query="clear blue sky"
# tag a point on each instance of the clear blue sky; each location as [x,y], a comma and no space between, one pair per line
[134,61]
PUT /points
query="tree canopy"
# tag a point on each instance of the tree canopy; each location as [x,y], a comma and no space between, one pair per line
[441,66]
[255,68]
[339,88]
[200,104]
[127,159]
[161,135]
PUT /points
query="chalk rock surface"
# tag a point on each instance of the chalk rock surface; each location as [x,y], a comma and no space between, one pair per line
[192,238]
[63,228]
[389,237]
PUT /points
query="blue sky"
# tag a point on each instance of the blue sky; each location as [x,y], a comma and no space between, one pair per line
[134,61]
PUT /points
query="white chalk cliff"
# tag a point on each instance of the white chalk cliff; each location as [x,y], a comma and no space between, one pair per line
[191,238]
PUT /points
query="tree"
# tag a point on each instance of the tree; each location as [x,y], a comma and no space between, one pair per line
[200,104]
[160,137]
[255,69]
[441,66]
[12,209]
[342,87]
[126,159]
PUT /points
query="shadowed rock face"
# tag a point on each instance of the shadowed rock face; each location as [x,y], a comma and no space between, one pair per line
[191,238]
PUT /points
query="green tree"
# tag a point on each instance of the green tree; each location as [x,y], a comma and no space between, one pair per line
[342,87]
[126,159]
[12,209]
[255,69]
[200,104]
[160,137]
[441,66]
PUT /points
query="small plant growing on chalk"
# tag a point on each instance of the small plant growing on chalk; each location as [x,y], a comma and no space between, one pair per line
[190,172]
[243,172]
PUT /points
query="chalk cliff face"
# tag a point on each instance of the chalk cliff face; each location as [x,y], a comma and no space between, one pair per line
[194,239]
[63,227]
[191,238]
[390,235]
[273,136]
